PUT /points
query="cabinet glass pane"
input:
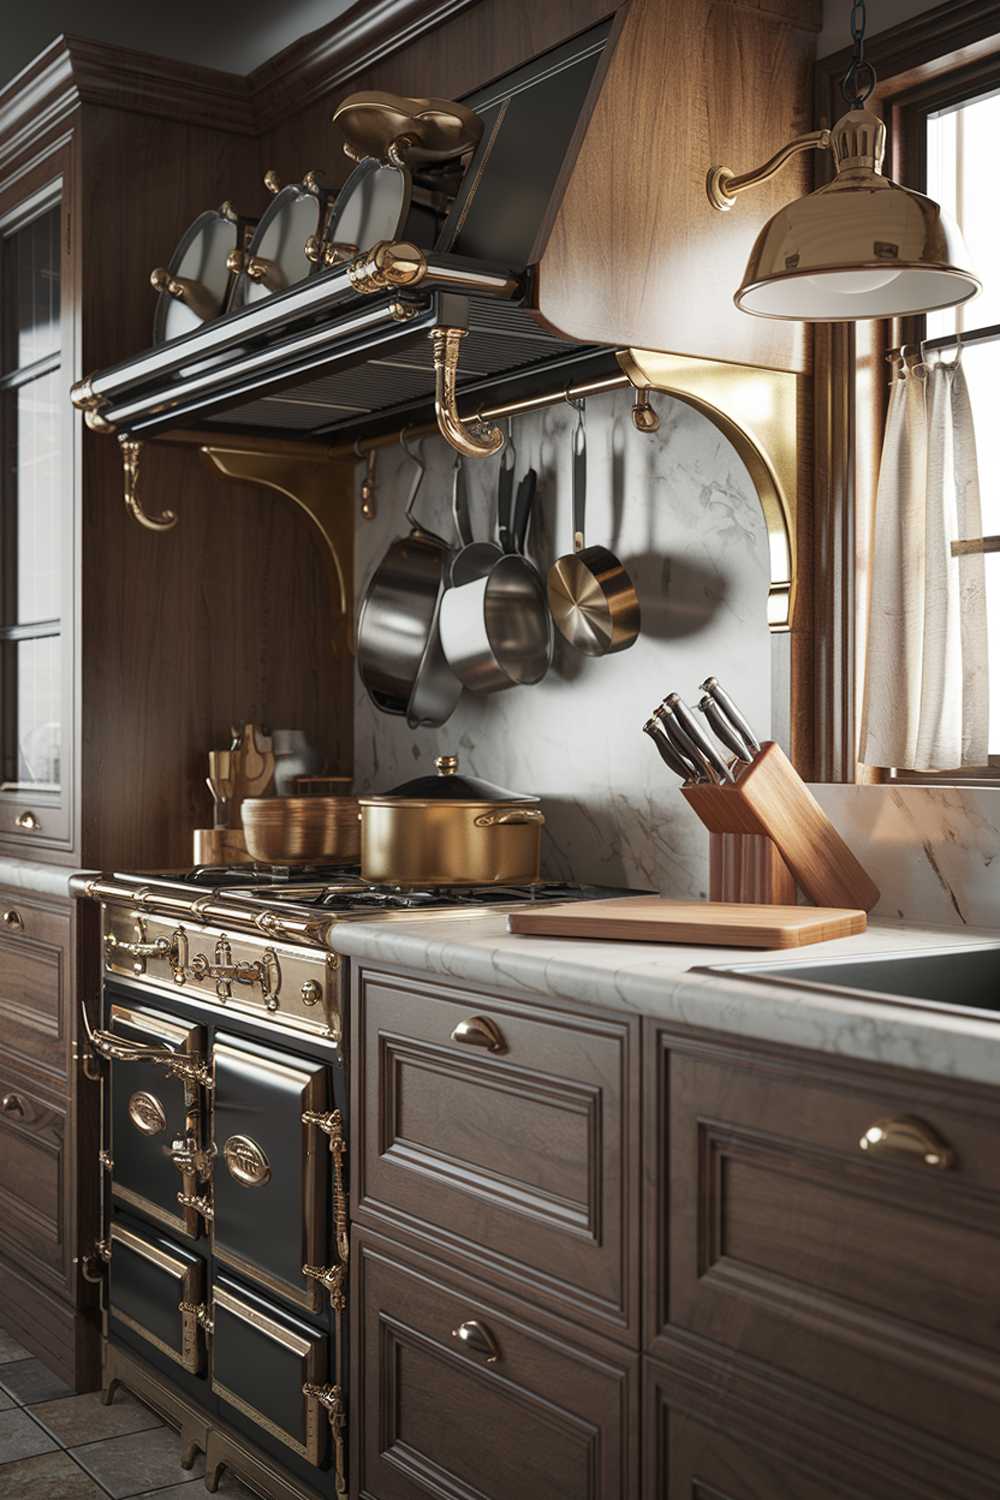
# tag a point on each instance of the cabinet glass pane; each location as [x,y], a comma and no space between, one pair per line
[32,731]
[31,292]
[31,538]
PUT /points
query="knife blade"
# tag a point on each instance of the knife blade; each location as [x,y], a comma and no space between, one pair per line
[683,743]
[692,728]
[668,753]
[724,731]
[713,687]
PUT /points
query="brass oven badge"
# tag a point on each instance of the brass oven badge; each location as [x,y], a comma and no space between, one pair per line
[246,1161]
[147,1113]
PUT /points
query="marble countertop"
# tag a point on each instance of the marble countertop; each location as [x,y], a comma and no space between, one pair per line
[656,979]
[33,875]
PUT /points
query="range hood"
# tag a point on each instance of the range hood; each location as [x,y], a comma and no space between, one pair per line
[362,346]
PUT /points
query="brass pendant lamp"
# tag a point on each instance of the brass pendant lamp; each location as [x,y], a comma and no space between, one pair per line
[859,247]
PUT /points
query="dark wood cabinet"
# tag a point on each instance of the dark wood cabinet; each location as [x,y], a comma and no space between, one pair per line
[465,1399]
[501,1134]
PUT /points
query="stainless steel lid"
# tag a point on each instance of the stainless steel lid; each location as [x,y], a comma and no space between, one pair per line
[449,786]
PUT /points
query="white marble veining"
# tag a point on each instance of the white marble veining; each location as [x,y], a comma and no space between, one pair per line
[681,512]
[656,979]
[930,850]
[32,875]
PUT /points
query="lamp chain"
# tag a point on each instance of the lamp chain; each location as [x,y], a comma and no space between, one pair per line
[860,79]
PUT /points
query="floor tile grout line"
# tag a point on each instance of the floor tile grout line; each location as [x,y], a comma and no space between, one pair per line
[114,1437]
[103,1488]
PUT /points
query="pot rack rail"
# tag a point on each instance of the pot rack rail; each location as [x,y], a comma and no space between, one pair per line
[756,410]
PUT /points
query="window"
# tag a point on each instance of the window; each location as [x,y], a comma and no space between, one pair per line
[32,399]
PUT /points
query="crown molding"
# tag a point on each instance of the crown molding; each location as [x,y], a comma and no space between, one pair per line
[324,60]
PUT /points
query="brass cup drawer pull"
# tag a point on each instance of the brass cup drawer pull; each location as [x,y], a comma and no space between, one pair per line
[478,1340]
[28,821]
[12,1104]
[13,920]
[908,1140]
[480,1031]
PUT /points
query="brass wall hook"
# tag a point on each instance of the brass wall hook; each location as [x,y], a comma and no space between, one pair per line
[447,343]
[369,494]
[644,418]
[131,450]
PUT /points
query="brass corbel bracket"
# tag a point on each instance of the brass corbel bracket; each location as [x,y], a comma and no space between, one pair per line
[756,410]
[312,483]
[447,344]
[131,450]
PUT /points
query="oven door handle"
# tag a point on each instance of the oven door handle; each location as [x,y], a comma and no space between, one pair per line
[113,1048]
[332,1125]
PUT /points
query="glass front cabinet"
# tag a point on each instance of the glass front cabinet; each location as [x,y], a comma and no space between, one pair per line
[36,518]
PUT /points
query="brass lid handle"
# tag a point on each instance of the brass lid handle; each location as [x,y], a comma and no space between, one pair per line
[446,765]
[909,1141]
[272,181]
[13,919]
[511,818]
[258,268]
[192,293]
[478,1340]
[480,1031]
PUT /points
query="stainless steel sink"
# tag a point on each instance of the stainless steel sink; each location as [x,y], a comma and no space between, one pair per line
[964,981]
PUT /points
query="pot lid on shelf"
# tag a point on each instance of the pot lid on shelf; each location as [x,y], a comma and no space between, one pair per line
[449,786]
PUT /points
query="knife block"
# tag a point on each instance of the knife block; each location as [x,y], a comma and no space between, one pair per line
[770,799]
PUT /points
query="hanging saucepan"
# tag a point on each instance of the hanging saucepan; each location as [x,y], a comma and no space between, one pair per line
[593,600]
[450,829]
[495,630]
[436,690]
[387,135]
[197,284]
[399,608]
[473,558]
[288,243]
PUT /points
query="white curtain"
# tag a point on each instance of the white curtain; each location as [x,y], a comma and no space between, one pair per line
[926,700]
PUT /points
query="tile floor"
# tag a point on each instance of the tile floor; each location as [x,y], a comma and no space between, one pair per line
[55,1445]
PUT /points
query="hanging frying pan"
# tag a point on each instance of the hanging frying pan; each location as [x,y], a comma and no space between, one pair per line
[592,598]
[287,245]
[197,283]
[387,135]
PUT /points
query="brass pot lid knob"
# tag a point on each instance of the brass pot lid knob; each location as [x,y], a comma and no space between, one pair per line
[434,129]
[447,765]
[272,181]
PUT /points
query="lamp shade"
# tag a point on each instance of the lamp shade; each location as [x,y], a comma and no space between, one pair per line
[859,247]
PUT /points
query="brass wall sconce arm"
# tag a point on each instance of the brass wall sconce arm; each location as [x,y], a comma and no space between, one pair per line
[723,184]
[131,450]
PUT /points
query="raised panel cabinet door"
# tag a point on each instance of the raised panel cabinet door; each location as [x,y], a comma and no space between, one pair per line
[870,1271]
[502,1134]
[34,966]
[463,1400]
[33,1171]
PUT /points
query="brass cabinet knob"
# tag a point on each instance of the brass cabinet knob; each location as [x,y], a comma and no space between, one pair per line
[28,821]
[909,1141]
[11,1104]
[478,1340]
[480,1031]
[13,920]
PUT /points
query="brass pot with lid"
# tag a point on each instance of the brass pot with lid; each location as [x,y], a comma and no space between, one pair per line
[450,829]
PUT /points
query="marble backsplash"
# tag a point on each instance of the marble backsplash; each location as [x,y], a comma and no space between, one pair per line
[680,511]
[930,850]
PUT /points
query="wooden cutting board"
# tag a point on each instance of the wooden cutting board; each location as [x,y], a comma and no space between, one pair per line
[654,919]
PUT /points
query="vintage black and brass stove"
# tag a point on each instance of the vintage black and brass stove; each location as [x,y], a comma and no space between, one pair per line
[225,1256]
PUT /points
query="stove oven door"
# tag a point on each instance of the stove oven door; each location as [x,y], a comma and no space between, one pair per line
[156,1132]
[156,1291]
[272,1168]
[272,1368]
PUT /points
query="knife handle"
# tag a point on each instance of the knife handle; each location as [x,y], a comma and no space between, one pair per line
[682,742]
[668,754]
[714,690]
[724,731]
[687,721]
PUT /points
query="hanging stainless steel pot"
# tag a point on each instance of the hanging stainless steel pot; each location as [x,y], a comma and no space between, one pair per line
[197,283]
[288,242]
[450,829]
[593,600]
[399,608]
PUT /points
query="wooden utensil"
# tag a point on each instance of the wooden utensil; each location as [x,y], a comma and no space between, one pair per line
[769,797]
[654,919]
[253,762]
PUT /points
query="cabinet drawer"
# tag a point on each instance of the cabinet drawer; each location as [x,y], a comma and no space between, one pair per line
[34,962]
[463,1400]
[515,1155]
[32,1180]
[873,1275]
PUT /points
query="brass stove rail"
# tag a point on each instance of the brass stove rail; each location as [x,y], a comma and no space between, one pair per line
[209,908]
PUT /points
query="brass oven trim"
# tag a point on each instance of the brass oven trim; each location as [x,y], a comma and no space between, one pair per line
[308,1294]
[311,1351]
[162,1215]
[189,1278]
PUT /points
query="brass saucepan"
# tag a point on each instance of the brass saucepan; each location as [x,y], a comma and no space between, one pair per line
[592,598]
[450,829]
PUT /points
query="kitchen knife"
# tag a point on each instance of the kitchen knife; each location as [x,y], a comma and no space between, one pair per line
[724,731]
[692,728]
[713,687]
[668,754]
[683,743]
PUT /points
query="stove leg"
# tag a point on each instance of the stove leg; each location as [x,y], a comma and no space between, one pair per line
[108,1392]
[189,1453]
[212,1477]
